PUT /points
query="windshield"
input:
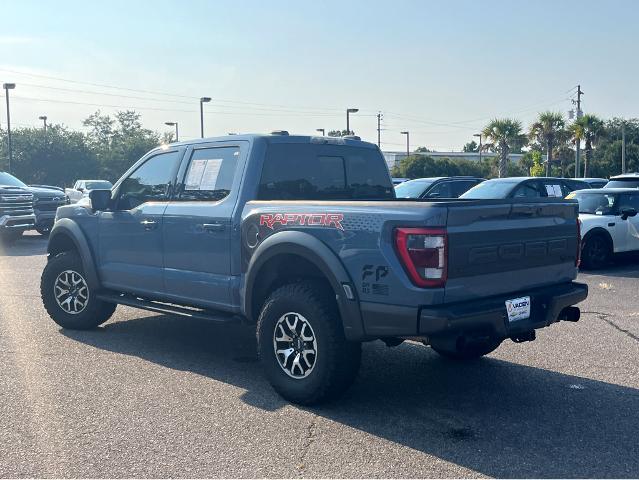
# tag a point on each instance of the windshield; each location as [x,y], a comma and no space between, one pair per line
[10,181]
[412,188]
[623,183]
[490,189]
[595,203]
[100,185]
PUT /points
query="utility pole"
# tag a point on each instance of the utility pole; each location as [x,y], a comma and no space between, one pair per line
[7,87]
[623,147]
[578,141]
[407,143]
[379,129]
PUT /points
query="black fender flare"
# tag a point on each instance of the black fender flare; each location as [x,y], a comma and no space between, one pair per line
[70,229]
[320,255]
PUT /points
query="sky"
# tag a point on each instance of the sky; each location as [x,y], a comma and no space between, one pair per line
[438,69]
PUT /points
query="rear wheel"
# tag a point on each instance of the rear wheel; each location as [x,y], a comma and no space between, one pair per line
[596,252]
[67,296]
[466,350]
[301,344]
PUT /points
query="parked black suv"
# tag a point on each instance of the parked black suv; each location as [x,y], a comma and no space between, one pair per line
[436,187]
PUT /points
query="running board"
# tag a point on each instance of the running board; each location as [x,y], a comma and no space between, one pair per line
[168,308]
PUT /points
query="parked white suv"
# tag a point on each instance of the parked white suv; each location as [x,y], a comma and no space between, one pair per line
[609,223]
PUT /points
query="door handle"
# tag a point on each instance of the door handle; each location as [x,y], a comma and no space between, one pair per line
[149,224]
[214,227]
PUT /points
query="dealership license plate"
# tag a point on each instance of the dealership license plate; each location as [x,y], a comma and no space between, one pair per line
[518,308]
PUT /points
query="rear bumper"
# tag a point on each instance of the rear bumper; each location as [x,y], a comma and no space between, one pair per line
[17,222]
[486,316]
[489,316]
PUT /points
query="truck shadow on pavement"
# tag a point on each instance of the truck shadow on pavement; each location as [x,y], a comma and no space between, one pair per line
[492,416]
[27,246]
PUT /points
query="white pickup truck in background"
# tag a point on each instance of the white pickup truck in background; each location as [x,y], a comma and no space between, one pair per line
[83,187]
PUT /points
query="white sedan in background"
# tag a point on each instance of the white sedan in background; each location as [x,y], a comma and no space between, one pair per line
[82,188]
[609,223]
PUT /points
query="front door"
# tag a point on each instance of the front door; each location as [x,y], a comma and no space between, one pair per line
[130,235]
[630,226]
[198,227]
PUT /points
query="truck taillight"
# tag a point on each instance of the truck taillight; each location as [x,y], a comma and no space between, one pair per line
[578,256]
[423,252]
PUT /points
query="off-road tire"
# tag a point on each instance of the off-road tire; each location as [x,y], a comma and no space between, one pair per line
[595,252]
[337,360]
[467,352]
[95,313]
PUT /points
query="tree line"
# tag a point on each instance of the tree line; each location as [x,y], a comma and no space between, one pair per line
[60,156]
[111,144]
[550,136]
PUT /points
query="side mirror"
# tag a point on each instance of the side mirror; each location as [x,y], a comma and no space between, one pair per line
[80,189]
[100,199]
[628,212]
[433,195]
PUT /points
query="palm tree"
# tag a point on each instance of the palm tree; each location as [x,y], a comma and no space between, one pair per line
[591,129]
[548,130]
[503,135]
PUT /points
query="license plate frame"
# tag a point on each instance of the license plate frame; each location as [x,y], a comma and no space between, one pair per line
[518,309]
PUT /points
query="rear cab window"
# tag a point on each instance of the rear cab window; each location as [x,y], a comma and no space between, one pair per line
[305,171]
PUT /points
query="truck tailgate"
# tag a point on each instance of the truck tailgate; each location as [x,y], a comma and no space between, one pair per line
[509,246]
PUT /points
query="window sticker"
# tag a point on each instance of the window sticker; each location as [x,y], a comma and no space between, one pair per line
[203,174]
[553,190]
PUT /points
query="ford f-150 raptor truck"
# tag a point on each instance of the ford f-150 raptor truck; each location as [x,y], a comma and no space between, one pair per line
[303,238]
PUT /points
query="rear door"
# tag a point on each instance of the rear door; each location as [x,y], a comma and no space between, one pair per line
[197,229]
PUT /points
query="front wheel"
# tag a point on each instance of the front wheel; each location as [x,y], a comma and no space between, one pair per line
[301,344]
[67,296]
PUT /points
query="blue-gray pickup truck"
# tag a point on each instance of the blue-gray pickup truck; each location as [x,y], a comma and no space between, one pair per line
[303,238]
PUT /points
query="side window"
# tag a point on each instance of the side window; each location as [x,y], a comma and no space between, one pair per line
[629,200]
[528,190]
[149,182]
[554,190]
[210,174]
[441,190]
[462,186]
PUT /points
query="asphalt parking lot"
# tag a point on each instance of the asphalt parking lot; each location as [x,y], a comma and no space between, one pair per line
[162,396]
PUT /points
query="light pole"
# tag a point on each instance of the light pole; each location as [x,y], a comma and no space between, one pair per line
[203,100]
[7,87]
[321,130]
[348,121]
[407,143]
[44,119]
[174,124]
[478,135]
